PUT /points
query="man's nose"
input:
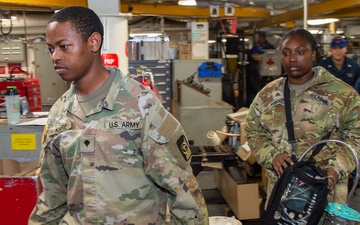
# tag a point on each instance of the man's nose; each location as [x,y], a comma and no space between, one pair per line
[55,55]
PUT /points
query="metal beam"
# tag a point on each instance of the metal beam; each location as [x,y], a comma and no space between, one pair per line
[314,10]
[345,13]
[40,4]
[189,11]
[26,8]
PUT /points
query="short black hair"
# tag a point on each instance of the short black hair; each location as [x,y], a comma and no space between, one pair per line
[305,34]
[261,34]
[84,21]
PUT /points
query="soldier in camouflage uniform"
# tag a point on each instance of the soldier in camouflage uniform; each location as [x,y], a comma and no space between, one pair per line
[320,103]
[111,153]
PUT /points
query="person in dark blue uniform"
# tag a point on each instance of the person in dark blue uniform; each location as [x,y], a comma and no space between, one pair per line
[339,65]
[344,68]
[261,41]
[254,81]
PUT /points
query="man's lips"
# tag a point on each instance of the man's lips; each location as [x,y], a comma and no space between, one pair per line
[60,69]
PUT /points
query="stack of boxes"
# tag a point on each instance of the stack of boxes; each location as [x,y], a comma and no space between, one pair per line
[199,47]
[184,50]
[199,40]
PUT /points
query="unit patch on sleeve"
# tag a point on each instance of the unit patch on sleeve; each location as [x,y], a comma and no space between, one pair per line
[184,147]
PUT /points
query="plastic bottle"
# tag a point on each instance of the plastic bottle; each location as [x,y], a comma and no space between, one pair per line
[12,102]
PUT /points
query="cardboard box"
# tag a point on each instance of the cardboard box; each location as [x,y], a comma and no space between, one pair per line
[184,55]
[199,31]
[199,50]
[184,50]
[184,47]
[19,190]
[243,199]
[9,167]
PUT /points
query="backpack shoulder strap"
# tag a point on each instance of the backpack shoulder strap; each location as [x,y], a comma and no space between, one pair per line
[290,126]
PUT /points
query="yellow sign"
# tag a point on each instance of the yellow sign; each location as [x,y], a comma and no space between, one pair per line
[23,142]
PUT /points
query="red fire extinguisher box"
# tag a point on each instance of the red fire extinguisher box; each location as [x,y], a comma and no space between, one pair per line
[19,189]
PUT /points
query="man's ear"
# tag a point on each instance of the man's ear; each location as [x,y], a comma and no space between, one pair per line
[95,42]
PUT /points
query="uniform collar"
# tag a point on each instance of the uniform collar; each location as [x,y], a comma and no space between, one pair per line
[73,106]
[321,75]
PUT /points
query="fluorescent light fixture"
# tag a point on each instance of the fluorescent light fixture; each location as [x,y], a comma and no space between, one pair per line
[322,21]
[339,31]
[146,34]
[187,2]
[315,31]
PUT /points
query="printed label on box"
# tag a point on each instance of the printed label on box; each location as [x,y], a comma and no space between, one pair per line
[199,31]
[23,142]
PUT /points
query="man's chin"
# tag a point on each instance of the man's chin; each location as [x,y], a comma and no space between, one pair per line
[63,76]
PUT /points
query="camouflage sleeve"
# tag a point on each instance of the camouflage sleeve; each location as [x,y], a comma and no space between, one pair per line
[51,204]
[167,163]
[259,143]
[349,128]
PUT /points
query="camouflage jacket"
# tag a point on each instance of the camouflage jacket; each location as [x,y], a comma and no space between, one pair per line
[123,163]
[326,104]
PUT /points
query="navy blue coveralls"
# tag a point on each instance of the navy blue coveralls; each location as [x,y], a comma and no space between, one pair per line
[349,73]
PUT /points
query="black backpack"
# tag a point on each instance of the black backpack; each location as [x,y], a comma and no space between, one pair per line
[299,197]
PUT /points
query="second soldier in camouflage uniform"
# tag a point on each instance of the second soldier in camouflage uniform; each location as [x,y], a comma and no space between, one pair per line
[111,154]
[319,102]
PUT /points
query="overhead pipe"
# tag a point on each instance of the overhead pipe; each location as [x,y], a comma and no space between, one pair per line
[306,5]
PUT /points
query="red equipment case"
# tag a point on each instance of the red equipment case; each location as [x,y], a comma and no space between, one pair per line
[18,197]
[19,190]
[28,87]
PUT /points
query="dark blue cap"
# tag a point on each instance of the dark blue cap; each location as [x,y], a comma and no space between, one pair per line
[338,41]
[256,50]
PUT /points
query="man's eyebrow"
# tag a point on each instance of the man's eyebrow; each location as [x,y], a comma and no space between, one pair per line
[58,42]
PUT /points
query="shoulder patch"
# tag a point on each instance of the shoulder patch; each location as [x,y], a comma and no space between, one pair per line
[184,147]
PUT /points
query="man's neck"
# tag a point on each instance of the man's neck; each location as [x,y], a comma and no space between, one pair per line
[339,61]
[92,81]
